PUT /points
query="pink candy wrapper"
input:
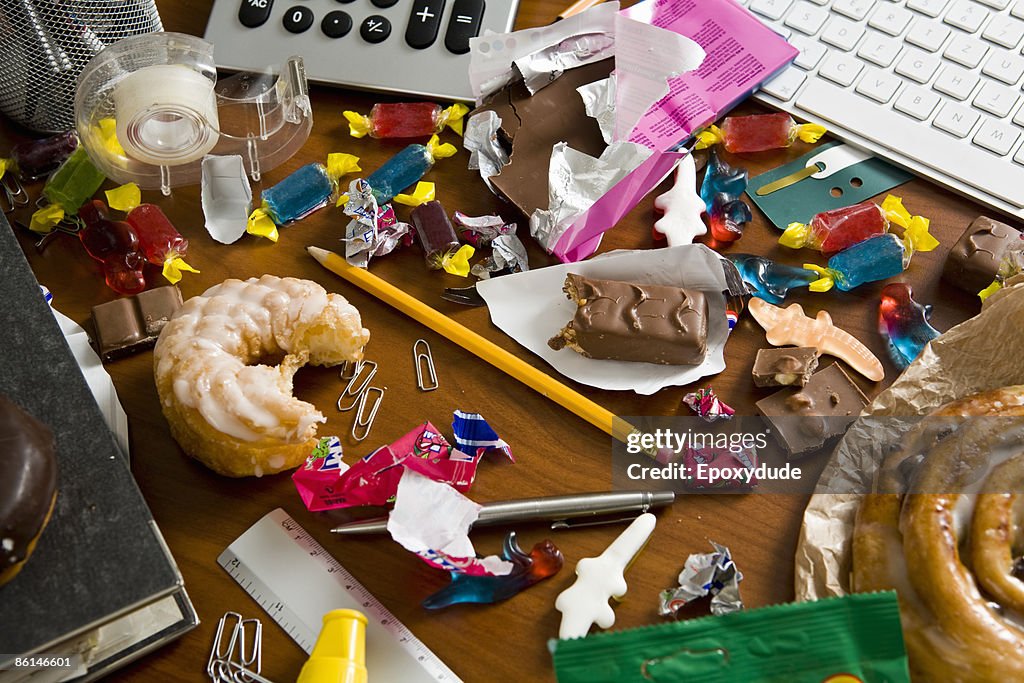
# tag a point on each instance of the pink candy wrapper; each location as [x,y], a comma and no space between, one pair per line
[707,405]
[701,463]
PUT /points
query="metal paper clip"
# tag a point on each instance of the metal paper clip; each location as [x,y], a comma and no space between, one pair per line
[350,390]
[419,355]
[14,193]
[364,422]
[237,657]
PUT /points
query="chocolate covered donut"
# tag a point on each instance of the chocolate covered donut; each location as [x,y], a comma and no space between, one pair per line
[28,485]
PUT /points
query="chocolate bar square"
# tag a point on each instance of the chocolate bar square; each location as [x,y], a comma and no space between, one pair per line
[131,324]
[973,262]
[627,321]
[786,366]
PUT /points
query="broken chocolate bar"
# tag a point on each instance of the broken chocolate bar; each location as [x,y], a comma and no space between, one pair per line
[125,326]
[784,366]
[805,419]
[974,260]
[626,321]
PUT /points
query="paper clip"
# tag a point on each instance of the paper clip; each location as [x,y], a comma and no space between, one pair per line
[241,659]
[365,423]
[14,193]
[355,394]
[418,357]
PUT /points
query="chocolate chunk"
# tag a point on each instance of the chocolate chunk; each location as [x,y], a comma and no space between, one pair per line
[805,419]
[625,321]
[784,366]
[125,326]
[532,125]
[974,260]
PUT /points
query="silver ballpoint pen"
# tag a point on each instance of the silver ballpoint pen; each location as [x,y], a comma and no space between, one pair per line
[551,508]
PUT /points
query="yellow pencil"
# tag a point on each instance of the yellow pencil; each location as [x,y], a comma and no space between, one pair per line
[479,346]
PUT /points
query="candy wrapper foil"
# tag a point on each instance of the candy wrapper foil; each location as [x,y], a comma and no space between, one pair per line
[509,255]
[724,459]
[712,574]
[544,66]
[707,405]
[374,230]
[474,436]
[982,353]
[486,153]
[599,103]
[576,181]
[432,520]
[481,230]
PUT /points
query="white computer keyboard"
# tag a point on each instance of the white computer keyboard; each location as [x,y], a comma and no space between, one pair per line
[933,85]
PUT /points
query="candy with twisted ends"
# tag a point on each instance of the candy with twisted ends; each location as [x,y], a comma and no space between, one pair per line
[956,615]
[789,326]
[585,602]
[224,366]
[682,207]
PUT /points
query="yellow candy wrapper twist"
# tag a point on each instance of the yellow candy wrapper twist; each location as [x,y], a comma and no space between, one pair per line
[810,132]
[453,117]
[421,194]
[107,129]
[709,137]
[456,261]
[437,150]
[46,219]
[261,224]
[124,198]
[173,269]
[340,164]
[915,228]
[825,282]
[990,290]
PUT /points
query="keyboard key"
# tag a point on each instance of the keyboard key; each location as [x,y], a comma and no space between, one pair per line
[996,4]
[811,52]
[916,102]
[878,85]
[917,65]
[253,13]
[931,148]
[995,99]
[956,82]
[842,33]
[297,19]
[965,50]
[1004,66]
[1019,156]
[806,18]
[955,119]
[928,35]
[785,85]
[463,25]
[424,22]
[879,49]
[1018,9]
[336,24]
[840,68]
[891,19]
[772,9]
[375,28]
[932,8]
[996,137]
[1004,31]
[854,9]
[966,15]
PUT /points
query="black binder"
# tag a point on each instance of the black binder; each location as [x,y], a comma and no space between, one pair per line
[101,558]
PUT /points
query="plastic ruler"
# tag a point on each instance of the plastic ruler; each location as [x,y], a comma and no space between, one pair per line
[296,581]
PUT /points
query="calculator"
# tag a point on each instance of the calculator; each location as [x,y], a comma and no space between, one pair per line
[413,47]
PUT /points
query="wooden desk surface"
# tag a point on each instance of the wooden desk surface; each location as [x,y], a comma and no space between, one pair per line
[200,513]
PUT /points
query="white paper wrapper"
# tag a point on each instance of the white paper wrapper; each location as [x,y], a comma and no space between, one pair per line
[226,197]
[531,308]
[982,353]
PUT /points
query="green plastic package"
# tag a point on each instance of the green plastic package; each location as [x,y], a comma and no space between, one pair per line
[852,639]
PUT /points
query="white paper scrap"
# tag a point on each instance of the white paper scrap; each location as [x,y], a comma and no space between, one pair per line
[227,197]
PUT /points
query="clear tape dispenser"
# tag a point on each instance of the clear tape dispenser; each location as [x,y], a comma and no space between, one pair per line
[150,107]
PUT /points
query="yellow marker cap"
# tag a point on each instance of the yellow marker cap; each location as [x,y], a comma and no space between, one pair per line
[339,655]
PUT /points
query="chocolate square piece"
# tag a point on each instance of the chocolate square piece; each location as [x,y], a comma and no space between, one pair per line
[792,365]
[125,326]
[626,321]
[973,262]
[532,125]
[805,419]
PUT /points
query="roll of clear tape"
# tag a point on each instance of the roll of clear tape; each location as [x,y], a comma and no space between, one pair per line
[166,115]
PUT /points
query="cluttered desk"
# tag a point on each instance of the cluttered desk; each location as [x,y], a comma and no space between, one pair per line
[485,292]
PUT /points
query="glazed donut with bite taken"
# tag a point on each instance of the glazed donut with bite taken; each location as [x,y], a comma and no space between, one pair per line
[224,365]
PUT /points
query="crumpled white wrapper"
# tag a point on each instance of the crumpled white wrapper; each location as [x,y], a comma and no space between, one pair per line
[982,353]
[226,197]
[373,230]
[531,308]
[599,103]
[485,152]
[576,180]
[541,68]
[432,519]
[507,251]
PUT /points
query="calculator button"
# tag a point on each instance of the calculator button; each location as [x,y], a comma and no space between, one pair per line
[384,4]
[253,13]
[424,23]
[298,19]
[463,25]
[375,29]
[345,2]
[336,24]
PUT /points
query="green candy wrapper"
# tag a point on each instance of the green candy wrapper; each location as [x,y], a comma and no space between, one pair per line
[852,639]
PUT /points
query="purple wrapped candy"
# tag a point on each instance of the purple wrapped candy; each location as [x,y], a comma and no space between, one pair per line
[39,158]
